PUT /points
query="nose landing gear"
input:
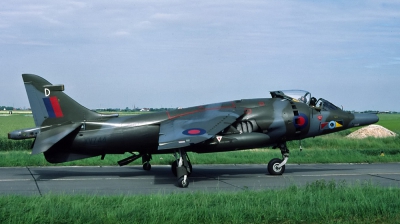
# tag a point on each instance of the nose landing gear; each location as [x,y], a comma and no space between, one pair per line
[276,166]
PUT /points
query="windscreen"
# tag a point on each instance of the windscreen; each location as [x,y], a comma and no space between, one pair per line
[326,105]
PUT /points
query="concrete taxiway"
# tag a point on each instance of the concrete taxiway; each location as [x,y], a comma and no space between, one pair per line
[134,180]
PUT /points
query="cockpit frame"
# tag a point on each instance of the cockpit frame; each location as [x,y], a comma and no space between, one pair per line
[302,96]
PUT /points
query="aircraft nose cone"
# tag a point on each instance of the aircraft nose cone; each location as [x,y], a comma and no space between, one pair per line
[364,119]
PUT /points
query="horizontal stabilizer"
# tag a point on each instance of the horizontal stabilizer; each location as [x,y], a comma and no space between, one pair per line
[46,139]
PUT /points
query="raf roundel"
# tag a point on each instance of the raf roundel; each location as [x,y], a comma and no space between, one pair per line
[194,131]
[332,125]
[301,121]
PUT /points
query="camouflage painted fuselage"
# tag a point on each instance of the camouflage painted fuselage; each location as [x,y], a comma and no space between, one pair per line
[265,122]
[67,131]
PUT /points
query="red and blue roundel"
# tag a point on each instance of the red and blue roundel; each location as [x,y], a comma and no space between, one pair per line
[300,121]
[194,131]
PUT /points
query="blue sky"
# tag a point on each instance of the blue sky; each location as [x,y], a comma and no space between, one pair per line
[187,53]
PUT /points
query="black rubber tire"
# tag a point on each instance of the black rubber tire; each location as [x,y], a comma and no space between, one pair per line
[273,169]
[182,183]
[173,168]
[147,166]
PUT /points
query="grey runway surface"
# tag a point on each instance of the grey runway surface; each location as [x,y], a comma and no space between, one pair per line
[134,180]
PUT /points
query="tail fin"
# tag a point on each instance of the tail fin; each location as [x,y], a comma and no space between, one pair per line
[51,106]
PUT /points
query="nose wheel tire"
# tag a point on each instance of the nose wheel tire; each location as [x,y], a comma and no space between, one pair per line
[273,168]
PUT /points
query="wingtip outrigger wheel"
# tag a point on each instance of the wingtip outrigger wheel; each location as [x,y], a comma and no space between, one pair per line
[146,166]
[146,161]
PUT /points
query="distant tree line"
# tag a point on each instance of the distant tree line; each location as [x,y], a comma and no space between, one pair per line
[6,108]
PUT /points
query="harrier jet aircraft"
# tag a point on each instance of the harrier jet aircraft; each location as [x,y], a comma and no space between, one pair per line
[67,131]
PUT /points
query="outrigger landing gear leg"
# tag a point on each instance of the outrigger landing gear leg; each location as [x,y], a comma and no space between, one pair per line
[183,168]
[277,166]
[146,161]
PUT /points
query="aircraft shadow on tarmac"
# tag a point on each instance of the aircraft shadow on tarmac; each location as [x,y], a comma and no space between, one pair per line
[163,174]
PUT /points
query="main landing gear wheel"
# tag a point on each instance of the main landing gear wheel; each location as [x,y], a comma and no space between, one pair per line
[273,167]
[175,164]
[183,182]
[182,168]
[173,167]
[147,166]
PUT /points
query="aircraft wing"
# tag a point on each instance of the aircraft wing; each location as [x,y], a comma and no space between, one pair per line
[195,128]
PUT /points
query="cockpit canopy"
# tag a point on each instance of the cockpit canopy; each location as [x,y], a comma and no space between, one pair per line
[302,96]
[293,95]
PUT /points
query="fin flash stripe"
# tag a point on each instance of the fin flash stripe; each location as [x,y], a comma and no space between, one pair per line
[53,107]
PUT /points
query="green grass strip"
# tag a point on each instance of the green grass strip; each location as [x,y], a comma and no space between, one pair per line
[318,202]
